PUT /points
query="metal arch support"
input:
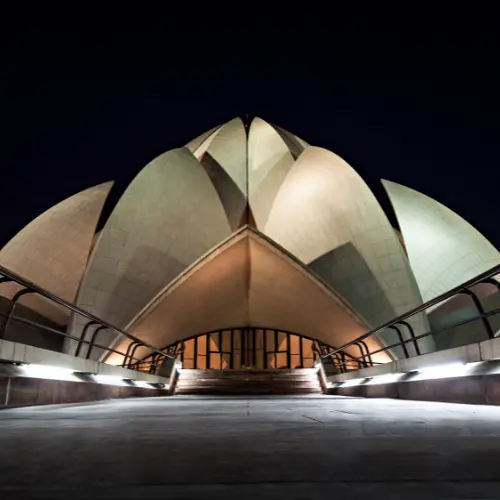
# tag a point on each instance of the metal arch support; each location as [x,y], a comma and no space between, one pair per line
[337,357]
[154,363]
[12,306]
[342,358]
[340,363]
[93,339]
[368,355]
[132,354]
[172,350]
[4,279]
[412,334]
[362,354]
[127,354]
[334,359]
[401,340]
[83,335]
[480,309]
[315,349]
[492,281]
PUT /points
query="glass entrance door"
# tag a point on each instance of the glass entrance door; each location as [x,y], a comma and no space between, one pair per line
[248,348]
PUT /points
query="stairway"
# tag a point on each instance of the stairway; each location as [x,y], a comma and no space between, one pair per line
[248,382]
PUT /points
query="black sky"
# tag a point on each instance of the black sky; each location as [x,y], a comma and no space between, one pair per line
[408,99]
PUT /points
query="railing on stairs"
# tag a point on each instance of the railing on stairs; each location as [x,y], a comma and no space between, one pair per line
[338,357]
[7,276]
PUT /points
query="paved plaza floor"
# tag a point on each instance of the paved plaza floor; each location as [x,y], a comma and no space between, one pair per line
[251,448]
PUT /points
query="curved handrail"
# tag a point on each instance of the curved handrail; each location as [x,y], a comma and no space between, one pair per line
[6,273]
[58,332]
[440,298]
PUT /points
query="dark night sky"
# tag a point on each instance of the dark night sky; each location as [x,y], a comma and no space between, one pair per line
[405,100]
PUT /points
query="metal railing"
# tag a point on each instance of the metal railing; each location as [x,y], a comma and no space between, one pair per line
[7,276]
[251,351]
[340,358]
[366,358]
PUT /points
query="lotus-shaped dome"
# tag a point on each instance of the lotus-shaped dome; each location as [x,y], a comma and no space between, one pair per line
[243,226]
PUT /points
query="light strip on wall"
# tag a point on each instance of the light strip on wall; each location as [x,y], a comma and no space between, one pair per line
[48,372]
[352,383]
[109,380]
[441,371]
[67,374]
[387,378]
[449,370]
[144,385]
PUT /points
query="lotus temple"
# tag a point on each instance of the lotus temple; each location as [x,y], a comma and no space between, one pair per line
[247,246]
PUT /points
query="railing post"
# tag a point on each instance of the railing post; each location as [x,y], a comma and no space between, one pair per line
[369,356]
[480,309]
[93,339]
[154,362]
[154,359]
[412,335]
[12,306]
[365,364]
[342,359]
[132,354]
[401,340]
[339,363]
[83,335]
[127,354]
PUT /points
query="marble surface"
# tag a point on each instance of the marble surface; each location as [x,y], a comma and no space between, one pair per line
[296,448]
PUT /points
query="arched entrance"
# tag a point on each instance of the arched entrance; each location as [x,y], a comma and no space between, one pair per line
[247,347]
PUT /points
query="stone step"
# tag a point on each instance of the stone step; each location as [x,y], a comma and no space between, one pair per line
[237,373]
[270,379]
[230,391]
[248,382]
[248,376]
[249,379]
[244,383]
[229,373]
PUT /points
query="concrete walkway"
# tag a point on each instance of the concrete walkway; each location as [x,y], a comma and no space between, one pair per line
[258,448]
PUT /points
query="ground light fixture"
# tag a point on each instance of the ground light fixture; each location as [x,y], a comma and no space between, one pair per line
[445,371]
[110,379]
[449,370]
[387,378]
[143,384]
[353,382]
[48,372]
